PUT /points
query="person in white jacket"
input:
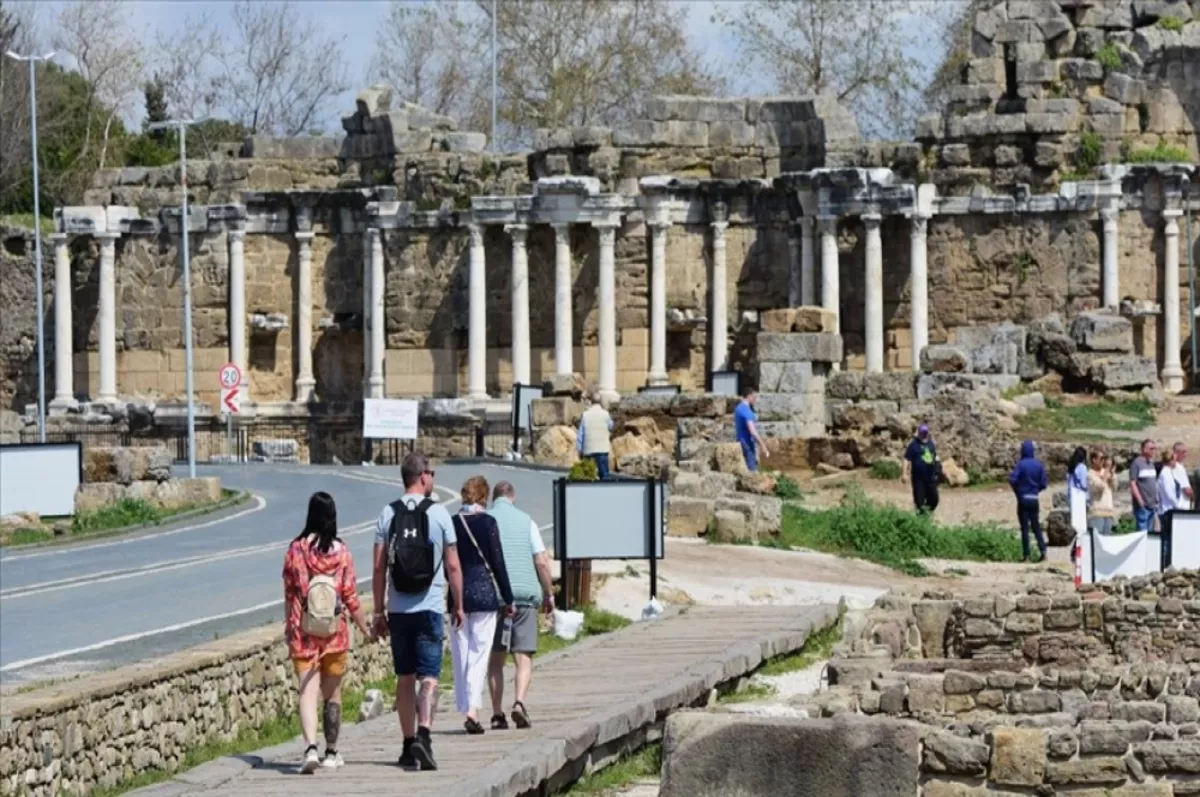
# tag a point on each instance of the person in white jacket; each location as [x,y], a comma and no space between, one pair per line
[1174,488]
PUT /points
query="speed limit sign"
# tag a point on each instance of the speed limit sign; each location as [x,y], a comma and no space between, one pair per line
[231,376]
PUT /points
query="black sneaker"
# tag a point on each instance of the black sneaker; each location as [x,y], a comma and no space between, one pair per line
[422,751]
[406,755]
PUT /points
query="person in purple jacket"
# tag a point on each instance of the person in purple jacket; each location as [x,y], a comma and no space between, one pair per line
[1028,480]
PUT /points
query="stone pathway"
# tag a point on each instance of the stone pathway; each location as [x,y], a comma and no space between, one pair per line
[584,700]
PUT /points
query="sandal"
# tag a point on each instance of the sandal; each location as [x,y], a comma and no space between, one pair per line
[499,722]
[519,715]
[473,727]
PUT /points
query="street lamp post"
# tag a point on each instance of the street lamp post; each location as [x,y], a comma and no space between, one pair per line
[181,126]
[37,238]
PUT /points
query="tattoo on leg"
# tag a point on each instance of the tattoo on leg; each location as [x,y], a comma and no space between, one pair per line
[333,723]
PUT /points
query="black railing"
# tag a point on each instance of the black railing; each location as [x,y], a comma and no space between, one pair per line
[494,437]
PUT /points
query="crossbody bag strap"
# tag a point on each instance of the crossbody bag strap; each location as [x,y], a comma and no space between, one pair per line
[495,584]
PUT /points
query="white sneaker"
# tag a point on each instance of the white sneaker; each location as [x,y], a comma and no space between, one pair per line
[332,761]
[311,761]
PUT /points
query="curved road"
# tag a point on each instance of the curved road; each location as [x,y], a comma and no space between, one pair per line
[81,608]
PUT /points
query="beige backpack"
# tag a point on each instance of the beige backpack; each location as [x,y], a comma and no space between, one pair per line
[322,607]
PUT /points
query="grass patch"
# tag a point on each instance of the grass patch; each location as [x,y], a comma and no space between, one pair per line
[859,528]
[25,221]
[126,514]
[645,763]
[786,487]
[1171,23]
[817,647]
[1109,57]
[749,693]
[1159,154]
[888,469]
[1116,416]
[274,731]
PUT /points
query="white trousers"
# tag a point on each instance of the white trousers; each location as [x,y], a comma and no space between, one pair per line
[470,649]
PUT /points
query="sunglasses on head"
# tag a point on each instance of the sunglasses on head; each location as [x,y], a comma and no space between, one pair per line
[430,473]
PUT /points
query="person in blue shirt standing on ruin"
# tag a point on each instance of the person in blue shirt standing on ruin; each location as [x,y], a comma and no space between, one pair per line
[745,426]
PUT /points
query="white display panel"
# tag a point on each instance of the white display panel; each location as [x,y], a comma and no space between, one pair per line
[609,520]
[522,396]
[390,419]
[40,478]
[1185,540]
[1119,555]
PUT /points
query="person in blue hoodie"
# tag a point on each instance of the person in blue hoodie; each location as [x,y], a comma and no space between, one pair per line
[1028,479]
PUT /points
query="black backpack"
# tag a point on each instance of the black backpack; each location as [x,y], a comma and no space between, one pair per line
[410,551]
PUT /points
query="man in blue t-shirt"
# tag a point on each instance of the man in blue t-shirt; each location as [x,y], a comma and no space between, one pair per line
[922,467]
[746,429]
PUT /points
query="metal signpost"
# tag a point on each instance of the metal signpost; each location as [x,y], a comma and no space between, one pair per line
[230,378]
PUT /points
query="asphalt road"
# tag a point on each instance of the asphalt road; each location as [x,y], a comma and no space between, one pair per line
[81,608]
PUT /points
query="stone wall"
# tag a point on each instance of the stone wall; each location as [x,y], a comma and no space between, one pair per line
[18,342]
[105,729]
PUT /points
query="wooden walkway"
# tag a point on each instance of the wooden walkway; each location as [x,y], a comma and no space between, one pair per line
[584,699]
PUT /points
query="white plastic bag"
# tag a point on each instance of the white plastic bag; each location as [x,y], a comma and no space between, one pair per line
[567,625]
[652,609]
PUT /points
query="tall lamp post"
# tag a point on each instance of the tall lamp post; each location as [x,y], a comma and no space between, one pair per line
[37,238]
[181,126]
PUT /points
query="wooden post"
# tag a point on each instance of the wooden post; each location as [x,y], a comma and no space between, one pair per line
[578,589]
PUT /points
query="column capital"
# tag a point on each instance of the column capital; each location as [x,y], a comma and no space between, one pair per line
[236,234]
[607,224]
[1108,213]
[59,237]
[919,221]
[1170,214]
[106,237]
[805,225]
[372,233]
[871,220]
[475,230]
[562,232]
[719,213]
[828,224]
[304,236]
[517,231]
[659,225]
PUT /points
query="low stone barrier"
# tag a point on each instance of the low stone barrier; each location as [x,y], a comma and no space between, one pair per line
[97,731]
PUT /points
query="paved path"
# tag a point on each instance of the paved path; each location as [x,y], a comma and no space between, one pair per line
[585,697]
[73,609]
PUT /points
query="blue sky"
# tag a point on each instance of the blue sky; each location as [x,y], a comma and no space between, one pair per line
[357,20]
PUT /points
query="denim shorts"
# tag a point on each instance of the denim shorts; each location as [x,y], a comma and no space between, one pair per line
[417,643]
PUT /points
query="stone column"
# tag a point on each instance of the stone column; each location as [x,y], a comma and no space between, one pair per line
[1172,370]
[237,300]
[919,294]
[564,364]
[303,341]
[658,302]
[795,279]
[1110,278]
[873,327]
[830,285]
[807,275]
[64,365]
[520,303]
[477,317]
[718,358]
[378,317]
[366,313]
[107,321]
[607,332]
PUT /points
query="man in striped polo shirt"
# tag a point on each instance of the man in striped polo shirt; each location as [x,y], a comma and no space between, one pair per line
[529,573]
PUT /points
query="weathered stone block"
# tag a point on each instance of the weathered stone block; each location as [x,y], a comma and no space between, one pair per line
[1112,15]
[688,517]
[962,683]
[779,320]
[1036,702]
[731,134]
[555,411]
[955,755]
[1134,710]
[793,377]
[1018,756]
[687,134]
[1178,757]
[707,754]
[1182,709]
[97,495]
[1102,332]
[1124,89]
[1104,769]
[1129,372]
[814,319]
[799,346]
[890,386]
[940,358]
[464,142]
[642,133]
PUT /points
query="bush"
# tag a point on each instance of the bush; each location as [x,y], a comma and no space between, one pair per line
[584,471]
[786,487]
[893,537]
[888,469]
[1087,156]
[126,512]
[1160,154]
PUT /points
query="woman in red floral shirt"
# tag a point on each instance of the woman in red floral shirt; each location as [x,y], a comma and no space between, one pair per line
[320,662]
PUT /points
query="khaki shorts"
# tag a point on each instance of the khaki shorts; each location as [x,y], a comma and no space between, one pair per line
[331,664]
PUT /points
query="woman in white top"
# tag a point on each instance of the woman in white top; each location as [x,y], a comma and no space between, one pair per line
[1174,487]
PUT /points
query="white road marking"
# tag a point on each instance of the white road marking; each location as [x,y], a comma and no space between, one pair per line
[162,567]
[62,654]
[167,629]
[260,504]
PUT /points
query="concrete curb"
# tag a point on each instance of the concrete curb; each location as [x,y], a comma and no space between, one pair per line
[543,761]
[237,499]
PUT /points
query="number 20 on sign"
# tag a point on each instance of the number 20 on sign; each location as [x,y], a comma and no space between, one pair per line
[231,376]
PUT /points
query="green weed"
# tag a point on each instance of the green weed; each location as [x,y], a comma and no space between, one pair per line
[817,647]
[1115,416]
[786,487]
[584,470]
[888,469]
[1087,155]
[749,693]
[1170,23]
[126,512]
[1109,57]
[645,763]
[893,537]
[1159,154]
[25,220]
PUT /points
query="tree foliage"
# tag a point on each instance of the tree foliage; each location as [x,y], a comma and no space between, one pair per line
[863,52]
[559,62]
[956,54]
